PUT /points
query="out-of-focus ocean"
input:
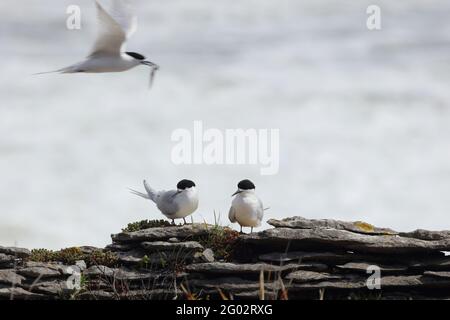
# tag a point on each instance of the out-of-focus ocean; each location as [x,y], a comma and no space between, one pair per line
[364,116]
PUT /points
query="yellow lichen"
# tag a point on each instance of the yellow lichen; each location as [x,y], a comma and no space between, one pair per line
[364,226]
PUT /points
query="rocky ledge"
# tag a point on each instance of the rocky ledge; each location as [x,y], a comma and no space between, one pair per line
[297,259]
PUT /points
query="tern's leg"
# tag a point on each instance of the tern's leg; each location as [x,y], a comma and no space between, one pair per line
[154,67]
[184,220]
[251,230]
[151,64]
[173,221]
[241,230]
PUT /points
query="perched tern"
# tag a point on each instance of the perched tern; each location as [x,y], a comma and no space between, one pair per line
[174,204]
[246,208]
[108,53]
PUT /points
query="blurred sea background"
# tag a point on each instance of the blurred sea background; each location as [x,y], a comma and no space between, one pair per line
[364,116]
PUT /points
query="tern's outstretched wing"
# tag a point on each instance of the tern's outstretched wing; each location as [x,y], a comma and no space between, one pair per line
[111,36]
[123,12]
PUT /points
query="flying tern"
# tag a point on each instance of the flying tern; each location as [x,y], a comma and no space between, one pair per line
[108,53]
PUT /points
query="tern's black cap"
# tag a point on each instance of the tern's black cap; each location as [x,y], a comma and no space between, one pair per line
[246,185]
[184,184]
[135,55]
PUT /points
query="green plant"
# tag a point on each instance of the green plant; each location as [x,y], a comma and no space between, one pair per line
[144,263]
[42,255]
[100,257]
[70,255]
[222,240]
[73,254]
[145,224]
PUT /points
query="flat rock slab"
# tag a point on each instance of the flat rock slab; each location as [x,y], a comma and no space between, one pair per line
[46,270]
[134,256]
[163,233]
[172,246]
[146,259]
[129,275]
[432,264]
[140,276]
[387,282]
[36,272]
[52,288]
[18,293]
[120,247]
[301,276]
[332,284]
[426,235]
[9,277]
[61,268]
[97,295]
[401,281]
[97,271]
[255,295]
[438,274]
[6,260]
[357,226]
[16,252]
[332,259]
[363,267]
[233,284]
[305,256]
[233,268]
[343,239]
[155,294]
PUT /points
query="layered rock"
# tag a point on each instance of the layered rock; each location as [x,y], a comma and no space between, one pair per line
[297,259]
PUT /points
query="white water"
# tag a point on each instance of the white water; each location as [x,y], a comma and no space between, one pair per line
[364,115]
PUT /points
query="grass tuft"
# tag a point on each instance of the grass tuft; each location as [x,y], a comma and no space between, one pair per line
[145,224]
[222,240]
[71,255]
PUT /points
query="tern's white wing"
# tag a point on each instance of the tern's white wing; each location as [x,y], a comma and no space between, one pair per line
[260,210]
[232,214]
[111,36]
[167,203]
[123,12]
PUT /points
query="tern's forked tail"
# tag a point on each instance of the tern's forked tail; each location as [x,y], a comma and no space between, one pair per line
[151,193]
[69,69]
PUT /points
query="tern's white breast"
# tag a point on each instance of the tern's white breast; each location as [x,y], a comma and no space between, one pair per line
[246,208]
[107,64]
[187,202]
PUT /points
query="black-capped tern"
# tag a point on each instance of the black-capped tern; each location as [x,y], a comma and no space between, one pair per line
[246,208]
[174,204]
[108,53]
